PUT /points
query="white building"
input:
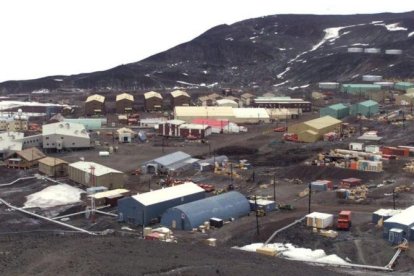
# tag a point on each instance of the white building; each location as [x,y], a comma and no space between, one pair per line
[65,136]
[11,142]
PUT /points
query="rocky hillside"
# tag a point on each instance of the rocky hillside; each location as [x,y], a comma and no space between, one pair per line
[273,52]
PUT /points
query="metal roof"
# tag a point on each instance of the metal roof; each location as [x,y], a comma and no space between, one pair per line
[175,122]
[204,111]
[246,95]
[177,93]
[152,94]
[167,194]
[406,217]
[95,97]
[194,126]
[85,166]
[257,113]
[368,103]
[323,122]
[171,158]
[224,206]
[109,193]
[51,161]
[124,96]
[338,106]
[31,154]
[65,128]
[226,101]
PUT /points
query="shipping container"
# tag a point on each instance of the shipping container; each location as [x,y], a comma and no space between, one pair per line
[319,220]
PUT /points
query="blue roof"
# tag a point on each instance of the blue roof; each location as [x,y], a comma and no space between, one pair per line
[225,206]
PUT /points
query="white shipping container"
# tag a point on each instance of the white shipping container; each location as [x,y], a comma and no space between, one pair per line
[104,153]
[319,220]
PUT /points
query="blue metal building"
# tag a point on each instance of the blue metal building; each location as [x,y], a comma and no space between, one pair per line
[142,209]
[173,162]
[400,226]
[191,215]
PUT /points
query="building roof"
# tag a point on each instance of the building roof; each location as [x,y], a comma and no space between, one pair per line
[95,97]
[246,95]
[152,94]
[279,100]
[124,96]
[65,128]
[204,98]
[85,166]
[194,126]
[361,85]
[322,122]
[88,123]
[51,161]
[214,96]
[338,106]
[125,130]
[31,154]
[257,113]
[204,111]
[227,102]
[368,103]
[211,122]
[177,93]
[224,206]
[319,215]
[387,212]
[175,122]
[169,193]
[406,217]
[171,158]
[109,193]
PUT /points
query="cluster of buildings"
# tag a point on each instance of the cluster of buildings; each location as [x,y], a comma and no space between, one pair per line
[367,108]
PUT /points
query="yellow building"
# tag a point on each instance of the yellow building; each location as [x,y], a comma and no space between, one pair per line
[313,130]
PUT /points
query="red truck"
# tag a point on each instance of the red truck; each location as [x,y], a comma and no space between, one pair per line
[291,137]
[344,221]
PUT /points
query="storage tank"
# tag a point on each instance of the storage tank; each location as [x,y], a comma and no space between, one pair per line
[393,52]
[371,78]
[372,50]
[328,85]
[355,50]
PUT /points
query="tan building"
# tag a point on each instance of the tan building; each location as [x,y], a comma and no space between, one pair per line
[189,113]
[246,99]
[204,101]
[53,167]
[153,101]
[313,130]
[124,103]
[25,159]
[13,124]
[180,98]
[94,174]
[95,105]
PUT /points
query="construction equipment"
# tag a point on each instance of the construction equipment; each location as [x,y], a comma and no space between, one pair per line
[344,221]
[291,137]
[288,207]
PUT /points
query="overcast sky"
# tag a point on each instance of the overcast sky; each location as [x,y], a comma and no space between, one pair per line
[51,37]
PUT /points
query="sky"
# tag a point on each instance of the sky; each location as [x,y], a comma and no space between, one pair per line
[62,37]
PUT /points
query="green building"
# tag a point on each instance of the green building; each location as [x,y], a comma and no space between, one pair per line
[360,88]
[403,86]
[337,111]
[366,108]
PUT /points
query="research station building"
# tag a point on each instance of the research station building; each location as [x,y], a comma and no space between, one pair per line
[124,103]
[81,172]
[95,105]
[153,101]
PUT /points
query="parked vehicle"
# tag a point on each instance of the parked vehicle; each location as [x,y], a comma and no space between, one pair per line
[344,221]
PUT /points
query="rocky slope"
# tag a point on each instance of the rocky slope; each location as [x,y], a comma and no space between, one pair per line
[280,51]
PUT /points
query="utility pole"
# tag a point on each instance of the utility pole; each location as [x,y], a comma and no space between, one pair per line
[274,187]
[310,197]
[257,215]
[393,198]
[149,183]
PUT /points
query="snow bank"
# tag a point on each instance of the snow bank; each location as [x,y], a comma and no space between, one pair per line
[61,194]
[289,251]
[411,34]
[14,104]
[391,27]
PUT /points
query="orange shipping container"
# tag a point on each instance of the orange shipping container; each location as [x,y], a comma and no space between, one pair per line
[354,165]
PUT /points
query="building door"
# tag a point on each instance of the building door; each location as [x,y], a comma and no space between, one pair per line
[173,224]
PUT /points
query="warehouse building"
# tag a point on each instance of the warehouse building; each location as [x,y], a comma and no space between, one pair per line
[93,174]
[53,167]
[400,226]
[170,163]
[313,130]
[146,208]
[405,99]
[153,101]
[170,128]
[124,103]
[180,98]
[189,113]
[194,131]
[283,102]
[25,159]
[95,105]
[88,123]
[366,108]
[60,136]
[187,216]
[360,89]
[250,115]
[337,111]
[403,86]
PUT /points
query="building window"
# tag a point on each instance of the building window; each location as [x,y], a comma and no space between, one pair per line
[47,144]
[47,138]
[61,137]
[73,144]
